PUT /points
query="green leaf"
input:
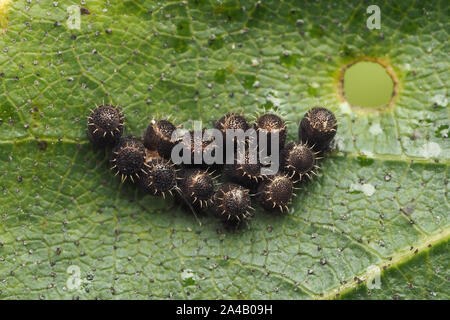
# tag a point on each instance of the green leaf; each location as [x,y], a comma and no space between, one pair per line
[425,276]
[380,197]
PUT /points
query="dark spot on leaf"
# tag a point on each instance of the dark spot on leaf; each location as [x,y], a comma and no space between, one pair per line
[183,28]
[84,10]
[42,145]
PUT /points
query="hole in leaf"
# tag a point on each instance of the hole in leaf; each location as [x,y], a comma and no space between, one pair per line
[367,84]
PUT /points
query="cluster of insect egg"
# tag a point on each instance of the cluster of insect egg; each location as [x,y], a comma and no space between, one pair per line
[147,161]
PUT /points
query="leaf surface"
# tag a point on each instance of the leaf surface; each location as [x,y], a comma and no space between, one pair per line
[382,195]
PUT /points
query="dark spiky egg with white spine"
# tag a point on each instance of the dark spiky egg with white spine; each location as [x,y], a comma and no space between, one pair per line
[299,160]
[158,136]
[232,122]
[317,128]
[271,125]
[231,202]
[197,187]
[244,171]
[127,159]
[105,125]
[275,193]
[160,178]
[196,143]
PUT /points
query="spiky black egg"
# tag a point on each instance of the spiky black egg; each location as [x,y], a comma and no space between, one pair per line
[275,194]
[160,178]
[197,187]
[318,128]
[244,172]
[232,121]
[105,125]
[158,136]
[298,160]
[272,124]
[231,203]
[128,158]
[197,145]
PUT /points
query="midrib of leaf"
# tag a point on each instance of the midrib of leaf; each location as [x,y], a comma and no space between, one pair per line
[402,256]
